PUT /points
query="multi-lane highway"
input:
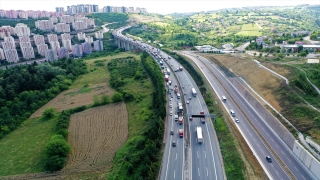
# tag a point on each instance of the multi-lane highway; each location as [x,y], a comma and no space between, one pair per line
[188,159]
[235,101]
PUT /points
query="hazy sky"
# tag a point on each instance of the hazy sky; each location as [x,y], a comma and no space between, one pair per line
[153,6]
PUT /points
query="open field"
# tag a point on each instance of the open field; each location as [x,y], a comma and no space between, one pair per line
[145,19]
[161,24]
[95,135]
[22,151]
[74,98]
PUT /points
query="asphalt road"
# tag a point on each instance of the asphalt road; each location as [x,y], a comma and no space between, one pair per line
[217,80]
[204,161]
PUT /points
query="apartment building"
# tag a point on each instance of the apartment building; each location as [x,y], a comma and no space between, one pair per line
[88,39]
[77,50]
[27,51]
[44,25]
[82,8]
[11,55]
[63,52]
[65,36]
[81,35]
[51,55]
[98,45]
[2,56]
[59,9]
[6,31]
[23,15]
[62,27]
[24,39]
[79,25]
[42,49]
[55,45]
[86,48]
[98,35]
[53,19]
[123,9]
[9,43]
[67,19]
[38,39]
[52,37]
[66,43]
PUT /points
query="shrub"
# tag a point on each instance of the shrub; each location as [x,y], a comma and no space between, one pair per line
[48,113]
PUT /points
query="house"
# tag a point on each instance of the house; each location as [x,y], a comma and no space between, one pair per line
[294,48]
[299,43]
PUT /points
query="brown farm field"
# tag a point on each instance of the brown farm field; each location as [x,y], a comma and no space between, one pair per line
[95,135]
[74,98]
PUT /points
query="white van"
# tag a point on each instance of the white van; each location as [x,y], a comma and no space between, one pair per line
[176,117]
[232,113]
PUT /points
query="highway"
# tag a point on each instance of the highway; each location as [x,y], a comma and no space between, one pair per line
[189,159]
[222,86]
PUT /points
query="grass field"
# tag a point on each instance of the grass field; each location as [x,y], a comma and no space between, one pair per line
[22,151]
[249,30]
[161,24]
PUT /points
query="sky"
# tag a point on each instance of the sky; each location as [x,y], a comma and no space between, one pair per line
[153,6]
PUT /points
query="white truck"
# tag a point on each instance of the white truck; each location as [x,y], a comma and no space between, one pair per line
[194,92]
[199,135]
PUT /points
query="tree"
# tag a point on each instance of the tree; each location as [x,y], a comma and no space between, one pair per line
[260,55]
[57,146]
[117,97]
[254,54]
[300,48]
[48,113]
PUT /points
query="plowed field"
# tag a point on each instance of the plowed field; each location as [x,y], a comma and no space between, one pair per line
[75,97]
[95,135]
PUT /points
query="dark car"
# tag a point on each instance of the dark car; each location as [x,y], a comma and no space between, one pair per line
[268,158]
[171,132]
[174,143]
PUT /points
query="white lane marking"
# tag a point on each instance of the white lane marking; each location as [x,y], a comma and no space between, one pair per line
[205,154]
[197,154]
[176,156]
[174,174]
[295,167]
[198,172]
[277,172]
[303,177]
[282,152]
[289,159]
[207,171]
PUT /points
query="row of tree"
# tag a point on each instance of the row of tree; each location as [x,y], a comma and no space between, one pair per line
[102,18]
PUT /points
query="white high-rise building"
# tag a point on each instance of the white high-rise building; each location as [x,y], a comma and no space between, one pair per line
[22,30]
[55,45]
[2,56]
[52,37]
[66,43]
[81,35]
[63,52]
[11,55]
[88,39]
[53,19]
[27,52]
[24,39]
[86,48]
[98,35]
[62,27]
[98,45]
[44,25]
[51,55]
[10,43]
[38,39]
[66,19]
[42,49]
[77,50]
[65,36]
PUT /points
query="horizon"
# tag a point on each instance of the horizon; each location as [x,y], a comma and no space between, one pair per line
[152,6]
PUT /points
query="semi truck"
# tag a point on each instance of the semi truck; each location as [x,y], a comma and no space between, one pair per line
[181,133]
[194,92]
[199,135]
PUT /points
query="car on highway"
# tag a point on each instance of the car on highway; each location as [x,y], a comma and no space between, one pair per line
[171,132]
[187,102]
[237,120]
[269,159]
[190,98]
[170,113]
[190,118]
[170,105]
[232,113]
[170,99]
[174,143]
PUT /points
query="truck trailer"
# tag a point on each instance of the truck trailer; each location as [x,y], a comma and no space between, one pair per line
[199,135]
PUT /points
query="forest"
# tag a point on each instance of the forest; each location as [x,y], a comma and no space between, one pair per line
[24,89]
[102,18]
